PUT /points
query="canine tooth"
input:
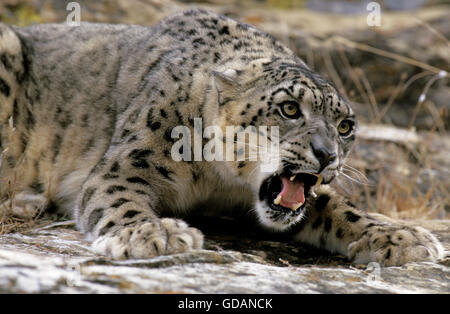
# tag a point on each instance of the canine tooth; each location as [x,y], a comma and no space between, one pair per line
[292,178]
[297,206]
[319,180]
[277,200]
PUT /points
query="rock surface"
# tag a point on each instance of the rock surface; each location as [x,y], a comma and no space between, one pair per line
[56,259]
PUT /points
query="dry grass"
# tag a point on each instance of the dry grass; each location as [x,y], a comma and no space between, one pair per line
[403,181]
[397,187]
[400,181]
[10,223]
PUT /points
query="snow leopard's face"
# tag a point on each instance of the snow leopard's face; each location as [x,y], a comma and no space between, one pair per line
[316,131]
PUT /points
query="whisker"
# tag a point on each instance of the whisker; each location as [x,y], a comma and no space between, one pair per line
[355,170]
[360,176]
[353,179]
[363,181]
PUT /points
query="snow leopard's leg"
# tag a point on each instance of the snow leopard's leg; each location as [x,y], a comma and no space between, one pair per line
[336,225]
[119,206]
[19,197]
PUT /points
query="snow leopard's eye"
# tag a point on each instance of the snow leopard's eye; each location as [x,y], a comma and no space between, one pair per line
[290,110]
[345,127]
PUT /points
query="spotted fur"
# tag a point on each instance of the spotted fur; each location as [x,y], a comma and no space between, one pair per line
[87,115]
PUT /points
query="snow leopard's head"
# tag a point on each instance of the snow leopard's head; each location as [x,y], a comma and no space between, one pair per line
[316,129]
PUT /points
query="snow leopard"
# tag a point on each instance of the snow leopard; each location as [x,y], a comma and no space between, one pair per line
[88,115]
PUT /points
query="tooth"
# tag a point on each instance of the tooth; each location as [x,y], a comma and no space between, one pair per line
[319,180]
[297,206]
[292,178]
[277,200]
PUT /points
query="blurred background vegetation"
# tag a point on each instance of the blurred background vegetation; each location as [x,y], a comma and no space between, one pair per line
[394,75]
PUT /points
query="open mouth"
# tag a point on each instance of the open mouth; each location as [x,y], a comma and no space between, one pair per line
[288,192]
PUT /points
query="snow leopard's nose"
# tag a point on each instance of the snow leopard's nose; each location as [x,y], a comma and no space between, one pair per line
[323,151]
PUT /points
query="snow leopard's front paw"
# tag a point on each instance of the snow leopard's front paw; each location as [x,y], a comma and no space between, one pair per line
[395,245]
[149,239]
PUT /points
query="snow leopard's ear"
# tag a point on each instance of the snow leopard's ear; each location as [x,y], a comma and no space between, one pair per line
[227,83]
[225,79]
[231,81]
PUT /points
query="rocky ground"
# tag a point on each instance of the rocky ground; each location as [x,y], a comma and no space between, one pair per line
[401,159]
[56,259]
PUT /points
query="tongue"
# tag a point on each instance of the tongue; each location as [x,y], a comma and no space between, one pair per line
[292,194]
